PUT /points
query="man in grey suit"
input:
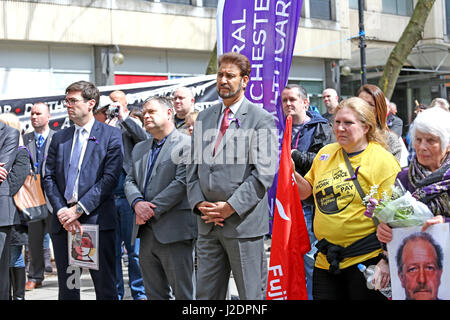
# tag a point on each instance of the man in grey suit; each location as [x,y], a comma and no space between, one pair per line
[156,189]
[9,141]
[37,143]
[234,156]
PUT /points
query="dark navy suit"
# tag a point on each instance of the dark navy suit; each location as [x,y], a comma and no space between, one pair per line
[99,175]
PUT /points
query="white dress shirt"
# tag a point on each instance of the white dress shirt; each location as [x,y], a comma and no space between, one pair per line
[85,134]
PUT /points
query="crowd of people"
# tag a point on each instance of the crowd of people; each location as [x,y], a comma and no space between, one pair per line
[184,194]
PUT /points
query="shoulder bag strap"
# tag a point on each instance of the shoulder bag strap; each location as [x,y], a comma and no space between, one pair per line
[33,169]
[352,175]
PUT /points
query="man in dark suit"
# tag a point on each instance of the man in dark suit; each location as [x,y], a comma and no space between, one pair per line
[82,170]
[132,133]
[156,188]
[38,142]
[9,141]
[234,157]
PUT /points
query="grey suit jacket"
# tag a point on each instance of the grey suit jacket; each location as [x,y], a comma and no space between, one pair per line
[395,124]
[240,172]
[173,220]
[9,141]
[30,143]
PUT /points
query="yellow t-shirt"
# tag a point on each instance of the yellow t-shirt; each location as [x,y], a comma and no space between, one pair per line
[339,215]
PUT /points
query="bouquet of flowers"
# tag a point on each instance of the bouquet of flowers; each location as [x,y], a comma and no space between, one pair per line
[399,210]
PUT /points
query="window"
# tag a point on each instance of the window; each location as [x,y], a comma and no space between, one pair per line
[353,4]
[320,9]
[210,3]
[398,7]
[177,1]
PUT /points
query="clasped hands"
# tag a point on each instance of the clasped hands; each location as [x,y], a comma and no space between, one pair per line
[215,212]
[69,220]
[144,211]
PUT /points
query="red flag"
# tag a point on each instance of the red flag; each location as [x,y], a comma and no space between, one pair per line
[290,240]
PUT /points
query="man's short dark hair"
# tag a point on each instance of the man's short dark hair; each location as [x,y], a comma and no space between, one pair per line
[420,236]
[301,90]
[162,100]
[88,91]
[239,60]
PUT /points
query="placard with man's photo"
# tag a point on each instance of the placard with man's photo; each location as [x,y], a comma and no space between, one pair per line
[419,263]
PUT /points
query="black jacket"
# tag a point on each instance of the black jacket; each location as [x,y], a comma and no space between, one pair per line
[315,134]
[16,177]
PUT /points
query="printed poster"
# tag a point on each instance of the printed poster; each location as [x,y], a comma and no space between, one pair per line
[83,247]
[419,263]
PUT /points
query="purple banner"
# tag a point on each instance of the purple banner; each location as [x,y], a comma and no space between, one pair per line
[265,32]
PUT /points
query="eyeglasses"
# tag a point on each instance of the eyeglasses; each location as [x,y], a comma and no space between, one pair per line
[72,101]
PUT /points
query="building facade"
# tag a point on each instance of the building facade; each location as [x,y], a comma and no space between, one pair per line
[425,73]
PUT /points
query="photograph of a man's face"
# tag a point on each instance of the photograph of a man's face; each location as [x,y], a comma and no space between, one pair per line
[418,263]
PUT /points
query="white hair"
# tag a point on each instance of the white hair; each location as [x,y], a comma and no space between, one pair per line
[433,121]
[440,102]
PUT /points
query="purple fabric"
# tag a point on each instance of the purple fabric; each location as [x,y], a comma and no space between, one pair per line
[403,177]
[433,189]
[265,32]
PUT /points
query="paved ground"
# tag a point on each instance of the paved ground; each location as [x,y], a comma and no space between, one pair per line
[49,289]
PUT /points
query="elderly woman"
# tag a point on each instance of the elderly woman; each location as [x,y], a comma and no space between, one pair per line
[428,175]
[341,174]
[376,99]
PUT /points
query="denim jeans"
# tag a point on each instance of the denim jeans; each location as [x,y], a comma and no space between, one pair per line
[309,257]
[123,234]
[16,257]
[47,241]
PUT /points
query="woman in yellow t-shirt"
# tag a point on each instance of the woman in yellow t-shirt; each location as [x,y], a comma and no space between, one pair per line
[346,236]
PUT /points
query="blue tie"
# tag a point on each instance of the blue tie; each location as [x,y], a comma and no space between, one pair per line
[73,167]
[40,141]
[154,152]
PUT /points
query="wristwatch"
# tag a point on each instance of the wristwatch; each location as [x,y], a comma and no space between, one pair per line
[80,210]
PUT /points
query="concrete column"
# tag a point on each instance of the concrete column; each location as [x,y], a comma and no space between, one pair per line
[103,66]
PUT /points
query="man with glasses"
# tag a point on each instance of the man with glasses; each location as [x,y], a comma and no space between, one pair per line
[82,170]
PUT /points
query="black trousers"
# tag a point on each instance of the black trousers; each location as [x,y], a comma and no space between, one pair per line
[350,284]
[36,233]
[5,234]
